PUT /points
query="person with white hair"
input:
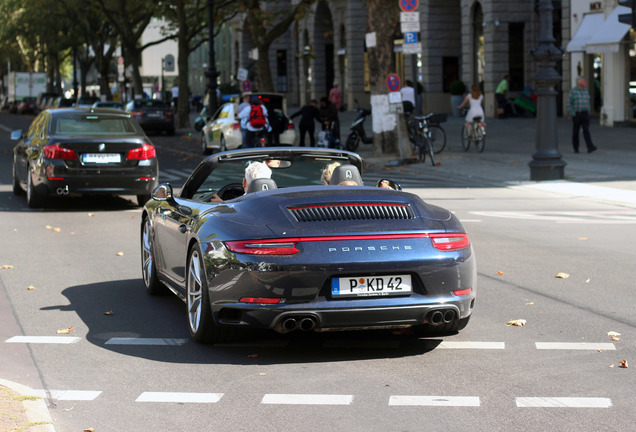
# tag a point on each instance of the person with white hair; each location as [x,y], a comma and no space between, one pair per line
[256,170]
[579,106]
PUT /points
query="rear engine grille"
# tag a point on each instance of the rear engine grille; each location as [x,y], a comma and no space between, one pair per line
[336,212]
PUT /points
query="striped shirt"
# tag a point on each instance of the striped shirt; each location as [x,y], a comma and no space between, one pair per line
[579,100]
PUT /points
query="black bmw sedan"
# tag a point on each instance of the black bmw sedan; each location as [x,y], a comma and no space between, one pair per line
[75,151]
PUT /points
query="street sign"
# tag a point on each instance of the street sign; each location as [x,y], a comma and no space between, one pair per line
[410,38]
[168,63]
[246,85]
[409,17]
[406,27]
[393,82]
[242,74]
[415,48]
[408,5]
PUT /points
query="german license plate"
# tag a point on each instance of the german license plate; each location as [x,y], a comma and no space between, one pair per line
[154,115]
[101,158]
[371,286]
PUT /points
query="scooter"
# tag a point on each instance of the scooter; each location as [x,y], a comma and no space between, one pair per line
[357,131]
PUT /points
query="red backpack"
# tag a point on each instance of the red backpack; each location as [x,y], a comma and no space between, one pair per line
[257,118]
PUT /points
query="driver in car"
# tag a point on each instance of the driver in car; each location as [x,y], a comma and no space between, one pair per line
[255,170]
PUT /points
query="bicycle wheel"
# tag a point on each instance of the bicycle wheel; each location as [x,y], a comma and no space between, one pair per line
[437,139]
[429,149]
[480,138]
[419,146]
[465,138]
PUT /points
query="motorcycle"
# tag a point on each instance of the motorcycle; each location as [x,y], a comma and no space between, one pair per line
[357,131]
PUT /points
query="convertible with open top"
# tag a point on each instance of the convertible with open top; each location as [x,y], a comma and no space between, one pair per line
[301,252]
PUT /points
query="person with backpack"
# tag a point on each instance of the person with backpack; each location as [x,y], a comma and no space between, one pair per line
[254,120]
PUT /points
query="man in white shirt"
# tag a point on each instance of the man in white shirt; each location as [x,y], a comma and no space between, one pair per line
[408,96]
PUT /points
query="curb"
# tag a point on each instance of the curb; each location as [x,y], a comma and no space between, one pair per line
[36,411]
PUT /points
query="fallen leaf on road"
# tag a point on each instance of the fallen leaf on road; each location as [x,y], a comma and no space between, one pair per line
[500,273]
[262,373]
[120,254]
[89,430]
[30,287]
[108,313]
[253,355]
[56,229]
[562,275]
[65,330]
[614,338]
[91,214]
[6,266]
[584,238]
[611,365]
[623,364]
[600,350]
[613,333]
[48,227]
[529,304]
[517,323]
[587,280]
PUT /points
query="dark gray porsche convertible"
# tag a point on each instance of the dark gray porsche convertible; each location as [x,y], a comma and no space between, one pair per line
[300,251]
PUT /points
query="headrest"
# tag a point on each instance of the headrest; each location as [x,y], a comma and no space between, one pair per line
[261,184]
[346,173]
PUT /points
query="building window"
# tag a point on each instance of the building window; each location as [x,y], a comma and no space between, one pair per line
[450,71]
[516,54]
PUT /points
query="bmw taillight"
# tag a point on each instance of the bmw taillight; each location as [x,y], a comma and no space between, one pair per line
[449,241]
[147,151]
[54,151]
[264,247]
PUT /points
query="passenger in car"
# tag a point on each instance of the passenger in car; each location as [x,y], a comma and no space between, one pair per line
[327,172]
[256,170]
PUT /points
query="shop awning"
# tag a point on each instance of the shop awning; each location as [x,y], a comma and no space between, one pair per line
[587,28]
[607,37]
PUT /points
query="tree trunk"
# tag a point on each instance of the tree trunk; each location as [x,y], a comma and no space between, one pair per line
[383,20]
[183,47]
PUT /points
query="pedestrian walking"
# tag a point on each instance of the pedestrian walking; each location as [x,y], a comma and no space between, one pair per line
[308,115]
[254,119]
[579,106]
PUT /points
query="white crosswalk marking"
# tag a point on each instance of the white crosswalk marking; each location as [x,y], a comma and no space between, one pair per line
[179,397]
[575,346]
[563,402]
[307,399]
[44,339]
[69,395]
[434,401]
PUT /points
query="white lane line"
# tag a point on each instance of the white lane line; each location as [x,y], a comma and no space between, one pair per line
[8,129]
[145,341]
[434,401]
[179,397]
[471,345]
[575,346]
[44,339]
[69,395]
[563,402]
[307,399]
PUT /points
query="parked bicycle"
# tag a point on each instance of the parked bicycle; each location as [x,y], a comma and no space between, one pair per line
[435,132]
[428,136]
[475,133]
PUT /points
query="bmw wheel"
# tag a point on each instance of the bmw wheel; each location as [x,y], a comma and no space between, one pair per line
[200,321]
[34,200]
[17,188]
[148,270]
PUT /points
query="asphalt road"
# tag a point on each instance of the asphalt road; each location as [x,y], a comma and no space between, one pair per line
[128,364]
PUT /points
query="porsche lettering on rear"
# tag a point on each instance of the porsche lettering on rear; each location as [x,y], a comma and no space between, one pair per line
[369,248]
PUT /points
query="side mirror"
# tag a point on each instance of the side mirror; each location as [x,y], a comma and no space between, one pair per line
[388,184]
[17,135]
[163,192]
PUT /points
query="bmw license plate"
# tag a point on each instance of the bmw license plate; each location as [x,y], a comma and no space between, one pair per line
[371,286]
[101,158]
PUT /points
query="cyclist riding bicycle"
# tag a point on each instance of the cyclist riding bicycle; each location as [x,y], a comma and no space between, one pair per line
[475,101]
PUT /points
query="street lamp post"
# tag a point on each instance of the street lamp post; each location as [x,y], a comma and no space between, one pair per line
[211,72]
[546,163]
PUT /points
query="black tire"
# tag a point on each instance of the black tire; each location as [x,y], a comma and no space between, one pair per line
[17,188]
[148,269]
[465,138]
[142,199]
[419,145]
[206,151]
[201,323]
[480,139]
[438,139]
[352,142]
[34,200]
[429,149]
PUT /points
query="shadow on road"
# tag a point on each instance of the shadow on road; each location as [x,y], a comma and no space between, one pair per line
[135,314]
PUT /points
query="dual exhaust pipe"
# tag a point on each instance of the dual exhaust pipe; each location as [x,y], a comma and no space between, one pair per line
[62,190]
[304,323]
[442,316]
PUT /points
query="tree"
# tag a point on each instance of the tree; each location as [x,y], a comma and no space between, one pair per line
[383,20]
[265,23]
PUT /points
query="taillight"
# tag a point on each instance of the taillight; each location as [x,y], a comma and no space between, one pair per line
[168,113]
[463,292]
[54,151]
[264,247]
[449,241]
[137,113]
[146,151]
[260,300]
[236,126]
[290,126]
